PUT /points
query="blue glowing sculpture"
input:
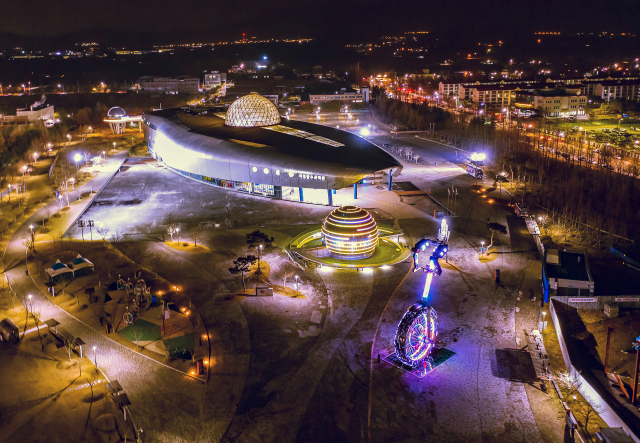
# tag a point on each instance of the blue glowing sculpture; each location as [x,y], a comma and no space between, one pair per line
[417,331]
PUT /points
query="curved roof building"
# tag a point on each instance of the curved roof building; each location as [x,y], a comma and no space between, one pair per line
[250,148]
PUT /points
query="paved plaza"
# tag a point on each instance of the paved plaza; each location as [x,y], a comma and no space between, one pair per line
[306,369]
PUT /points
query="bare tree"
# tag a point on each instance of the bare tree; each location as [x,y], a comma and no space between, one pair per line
[242,265]
[104,233]
[196,231]
[172,225]
[138,252]
[137,335]
[582,407]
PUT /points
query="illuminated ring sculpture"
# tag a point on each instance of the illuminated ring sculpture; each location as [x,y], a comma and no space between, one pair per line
[350,233]
[416,335]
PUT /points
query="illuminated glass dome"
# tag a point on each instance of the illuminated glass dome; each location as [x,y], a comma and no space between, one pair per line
[350,233]
[252,110]
[116,112]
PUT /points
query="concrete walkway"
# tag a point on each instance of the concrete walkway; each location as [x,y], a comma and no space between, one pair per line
[135,373]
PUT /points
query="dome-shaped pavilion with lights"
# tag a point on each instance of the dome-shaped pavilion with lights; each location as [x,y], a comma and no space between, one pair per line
[118,119]
[350,232]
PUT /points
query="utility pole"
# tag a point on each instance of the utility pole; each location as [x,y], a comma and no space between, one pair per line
[606,358]
[635,378]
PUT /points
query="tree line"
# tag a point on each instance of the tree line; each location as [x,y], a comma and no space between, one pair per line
[408,115]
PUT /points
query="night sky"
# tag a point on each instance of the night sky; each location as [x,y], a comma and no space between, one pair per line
[316,18]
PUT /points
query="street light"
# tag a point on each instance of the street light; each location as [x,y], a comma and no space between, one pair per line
[95,357]
[259,257]
[73,186]
[297,285]
[178,231]
[33,239]
[482,247]
[9,192]
[77,158]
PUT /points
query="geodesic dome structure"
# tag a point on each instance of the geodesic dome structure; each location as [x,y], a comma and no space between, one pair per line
[252,110]
[116,112]
[350,233]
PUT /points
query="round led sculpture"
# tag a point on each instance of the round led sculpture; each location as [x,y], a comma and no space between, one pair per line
[350,233]
[116,112]
[416,335]
[252,110]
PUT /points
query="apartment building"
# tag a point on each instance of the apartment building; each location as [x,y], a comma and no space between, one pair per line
[622,89]
[166,85]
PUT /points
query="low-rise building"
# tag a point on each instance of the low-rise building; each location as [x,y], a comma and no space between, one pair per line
[167,85]
[214,79]
[37,112]
[361,96]
[622,89]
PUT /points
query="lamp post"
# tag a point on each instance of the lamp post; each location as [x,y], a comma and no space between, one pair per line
[95,357]
[178,231]
[104,155]
[77,158]
[297,286]
[482,248]
[9,192]
[68,138]
[35,157]
[73,186]
[33,239]
[259,257]
[30,303]
[114,145]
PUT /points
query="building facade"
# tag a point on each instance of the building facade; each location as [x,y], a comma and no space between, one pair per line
[214,79]
[251,149]
[618,89]
[347,97]
[35,113]
[166,85]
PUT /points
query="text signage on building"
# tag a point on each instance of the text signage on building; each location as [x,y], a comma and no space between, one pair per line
[627,298]
[582,300]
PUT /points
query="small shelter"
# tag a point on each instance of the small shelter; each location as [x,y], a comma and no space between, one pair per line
[81,266]
[59,269]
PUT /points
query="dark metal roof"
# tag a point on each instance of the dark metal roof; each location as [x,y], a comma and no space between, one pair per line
[356,152]
[202,144]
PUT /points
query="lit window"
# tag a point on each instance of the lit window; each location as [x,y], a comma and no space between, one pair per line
[255,169]
[277,171]
[291,174]
[266,171]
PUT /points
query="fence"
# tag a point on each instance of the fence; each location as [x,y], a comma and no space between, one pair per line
[606,412]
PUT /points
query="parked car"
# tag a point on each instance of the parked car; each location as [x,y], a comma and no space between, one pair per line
[9,331]
[521,210]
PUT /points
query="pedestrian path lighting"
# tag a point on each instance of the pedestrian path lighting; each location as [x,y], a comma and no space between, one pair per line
[296,285]
[259,257]
[482,248]
[178,231]
[104,155]
[73,186]
[35,156]
[95,357]
[114,145]
[9,192]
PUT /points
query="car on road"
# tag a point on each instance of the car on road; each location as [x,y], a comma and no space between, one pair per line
[520,210]
[9,331]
